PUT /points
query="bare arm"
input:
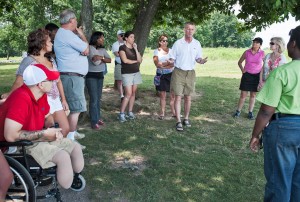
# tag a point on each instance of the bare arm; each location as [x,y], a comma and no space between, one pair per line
[241,60]
[62,95]
[138,55]
[263,117]
[125,59]
[201,61]
[83,38]
[13,132]
[160,64]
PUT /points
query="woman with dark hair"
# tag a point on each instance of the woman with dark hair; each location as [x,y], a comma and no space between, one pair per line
[131,76]
[98,57]
[39,44]
[253,58]
[164,72]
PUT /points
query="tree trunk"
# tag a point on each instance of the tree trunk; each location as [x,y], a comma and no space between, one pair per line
[143,23]
[86,17]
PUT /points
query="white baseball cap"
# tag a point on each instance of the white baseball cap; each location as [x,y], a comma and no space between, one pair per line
[37,73]
[120,32]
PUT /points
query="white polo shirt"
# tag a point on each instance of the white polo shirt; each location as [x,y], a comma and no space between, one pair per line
[185,54]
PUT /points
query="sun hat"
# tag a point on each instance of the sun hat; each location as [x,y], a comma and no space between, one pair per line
[37,73]
[120,32]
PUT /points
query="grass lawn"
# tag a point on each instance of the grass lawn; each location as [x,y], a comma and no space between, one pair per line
[147,160]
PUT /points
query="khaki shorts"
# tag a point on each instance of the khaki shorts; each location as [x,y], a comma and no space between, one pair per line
[43,152]
[132,79]
[183,82]
[118,74]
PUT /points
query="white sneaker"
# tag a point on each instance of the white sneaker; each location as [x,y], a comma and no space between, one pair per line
[131,116]
[78,136]
[12,150]
[121,117]
[82,146]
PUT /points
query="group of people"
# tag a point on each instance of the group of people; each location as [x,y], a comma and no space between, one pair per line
[256,69]
[50,81]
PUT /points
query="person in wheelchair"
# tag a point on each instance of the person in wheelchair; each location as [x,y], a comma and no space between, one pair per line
[25,116]
[6,177]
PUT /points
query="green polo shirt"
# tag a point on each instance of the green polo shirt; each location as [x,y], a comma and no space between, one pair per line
[282,89]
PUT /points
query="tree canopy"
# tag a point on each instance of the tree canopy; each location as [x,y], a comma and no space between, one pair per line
[147,18]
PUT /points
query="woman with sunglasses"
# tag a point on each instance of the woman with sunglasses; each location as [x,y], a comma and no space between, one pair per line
[164,73]
[253,58]
[272,60]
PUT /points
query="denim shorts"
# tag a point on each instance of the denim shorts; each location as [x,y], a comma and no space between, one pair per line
[74,92]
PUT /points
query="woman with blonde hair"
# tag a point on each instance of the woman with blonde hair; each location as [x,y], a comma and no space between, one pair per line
[164,72]
[272,60]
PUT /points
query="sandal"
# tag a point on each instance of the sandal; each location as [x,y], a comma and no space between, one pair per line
[186,123]
[161,117]
[101,122]
[179,126]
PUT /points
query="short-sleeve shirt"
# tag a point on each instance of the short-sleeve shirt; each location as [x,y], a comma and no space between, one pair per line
[97,66]
[115,48]
[24,64]
[22,107]
[185,54]
[254,62]
[269,65]
[68,48]
[162,58]
[282,89]
[131,55]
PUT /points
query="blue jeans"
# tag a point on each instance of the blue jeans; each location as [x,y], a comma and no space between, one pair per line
[94,86]
[281,141]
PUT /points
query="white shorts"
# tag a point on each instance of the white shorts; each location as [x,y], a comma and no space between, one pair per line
[55,104]
[132,79]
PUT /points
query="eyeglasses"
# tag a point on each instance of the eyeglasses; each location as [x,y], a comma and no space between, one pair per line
[121,35]
[164,41]
[291,32]
[272,43]
[48,81]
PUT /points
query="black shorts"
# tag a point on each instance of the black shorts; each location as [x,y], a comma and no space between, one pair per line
[249,82]
[165,80]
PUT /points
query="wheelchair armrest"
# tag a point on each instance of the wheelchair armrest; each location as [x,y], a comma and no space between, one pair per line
[17,143]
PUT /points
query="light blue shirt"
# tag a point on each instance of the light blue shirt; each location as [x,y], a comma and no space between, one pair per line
[68,48]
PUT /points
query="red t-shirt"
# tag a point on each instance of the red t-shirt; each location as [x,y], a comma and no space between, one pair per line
[22,107]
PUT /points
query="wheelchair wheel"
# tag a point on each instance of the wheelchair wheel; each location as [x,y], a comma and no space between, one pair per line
[22,187]
[78,183]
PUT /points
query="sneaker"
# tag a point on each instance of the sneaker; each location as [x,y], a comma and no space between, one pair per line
[101,122]
[186,123]
[12,150]
[251,116]
[82,146]
[78,136]
[237,114]
[131,116]
[96,127]
[121,117]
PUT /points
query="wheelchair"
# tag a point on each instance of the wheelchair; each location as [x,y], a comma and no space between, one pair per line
[28,176]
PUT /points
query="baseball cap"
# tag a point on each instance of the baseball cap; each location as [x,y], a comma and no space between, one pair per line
[259,40]
[37,73]
[120,32]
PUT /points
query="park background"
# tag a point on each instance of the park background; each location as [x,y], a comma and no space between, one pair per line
[146,159]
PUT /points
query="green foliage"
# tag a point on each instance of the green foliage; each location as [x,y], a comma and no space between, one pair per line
[219,31]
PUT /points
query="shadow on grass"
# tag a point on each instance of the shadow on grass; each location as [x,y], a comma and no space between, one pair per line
[148,160]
